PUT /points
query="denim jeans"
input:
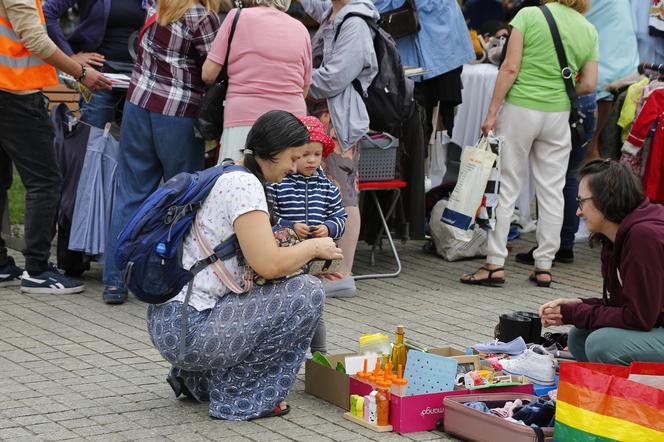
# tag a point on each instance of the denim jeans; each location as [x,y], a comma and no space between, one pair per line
[26,141]
[105,106]
[588,105]
[153,148]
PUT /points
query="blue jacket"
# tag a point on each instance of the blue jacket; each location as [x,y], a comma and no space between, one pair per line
[312,200]
[443,43]
[89,33]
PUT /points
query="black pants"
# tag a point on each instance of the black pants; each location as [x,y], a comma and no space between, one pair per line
[26,140]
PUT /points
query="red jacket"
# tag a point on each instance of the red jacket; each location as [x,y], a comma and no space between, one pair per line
[633,272]
[652,112]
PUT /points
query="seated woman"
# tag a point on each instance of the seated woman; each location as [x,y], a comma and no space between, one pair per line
[627,324]
[243,351]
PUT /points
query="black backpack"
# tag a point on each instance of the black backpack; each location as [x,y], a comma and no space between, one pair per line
[389,99]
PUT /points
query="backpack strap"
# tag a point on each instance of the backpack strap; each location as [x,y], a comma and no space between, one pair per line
[223,251]
[373,26]
[565,70]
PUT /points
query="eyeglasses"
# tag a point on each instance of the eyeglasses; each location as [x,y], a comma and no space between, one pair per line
[580,201]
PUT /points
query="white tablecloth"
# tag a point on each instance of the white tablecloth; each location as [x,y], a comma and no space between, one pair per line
[478,82]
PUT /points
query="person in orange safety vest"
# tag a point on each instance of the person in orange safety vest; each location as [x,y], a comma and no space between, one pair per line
[28,63]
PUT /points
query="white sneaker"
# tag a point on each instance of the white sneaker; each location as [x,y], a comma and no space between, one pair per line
[537,368]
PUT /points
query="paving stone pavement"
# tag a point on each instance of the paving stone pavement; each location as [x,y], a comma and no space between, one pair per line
[74,368]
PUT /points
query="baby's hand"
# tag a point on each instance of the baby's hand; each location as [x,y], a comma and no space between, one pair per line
[320,231]
[302,230]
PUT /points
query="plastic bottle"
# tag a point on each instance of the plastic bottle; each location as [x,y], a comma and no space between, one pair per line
[365,414]
[383,407]
[399,349]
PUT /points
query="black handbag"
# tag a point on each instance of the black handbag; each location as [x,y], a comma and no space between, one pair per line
[576,117]
[402,21]
[210,120]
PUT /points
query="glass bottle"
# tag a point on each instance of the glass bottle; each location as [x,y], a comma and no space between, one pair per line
[399,349]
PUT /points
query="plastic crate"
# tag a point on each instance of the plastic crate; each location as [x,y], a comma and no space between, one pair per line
[378,157]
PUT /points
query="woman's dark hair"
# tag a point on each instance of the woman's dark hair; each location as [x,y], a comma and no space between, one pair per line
[273,132]
[616,191]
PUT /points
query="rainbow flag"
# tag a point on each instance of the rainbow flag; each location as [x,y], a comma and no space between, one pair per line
[596,402]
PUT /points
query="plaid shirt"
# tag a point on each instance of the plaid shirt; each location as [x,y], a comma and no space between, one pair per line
[167,73]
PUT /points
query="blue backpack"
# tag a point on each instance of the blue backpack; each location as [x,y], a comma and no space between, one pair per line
[149,248]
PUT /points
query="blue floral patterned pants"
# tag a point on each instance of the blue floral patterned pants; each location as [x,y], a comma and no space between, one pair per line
[243,354]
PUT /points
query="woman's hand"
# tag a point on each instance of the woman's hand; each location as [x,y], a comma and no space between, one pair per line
[489,124]
[550,313]
[96,81]
[325,248]
[89,59]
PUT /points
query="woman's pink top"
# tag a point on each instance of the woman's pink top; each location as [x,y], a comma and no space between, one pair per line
[268,67]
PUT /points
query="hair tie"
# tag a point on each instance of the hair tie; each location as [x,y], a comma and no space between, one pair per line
[248,151]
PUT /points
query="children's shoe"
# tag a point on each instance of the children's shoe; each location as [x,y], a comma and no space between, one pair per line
[50,282]
[10,274]
[538,368]
[514,347]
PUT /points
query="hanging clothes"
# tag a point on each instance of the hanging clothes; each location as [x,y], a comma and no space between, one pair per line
[628,111]
[96,193]
[651,115]
[656,19]
[70,143]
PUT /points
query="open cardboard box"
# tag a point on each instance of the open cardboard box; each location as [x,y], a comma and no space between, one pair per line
[327,383]
[407,413]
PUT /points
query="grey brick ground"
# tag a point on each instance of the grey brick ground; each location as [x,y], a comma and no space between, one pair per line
[76,369]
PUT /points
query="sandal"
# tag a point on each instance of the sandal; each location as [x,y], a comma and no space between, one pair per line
[278,411]
[489,281]
[533,277]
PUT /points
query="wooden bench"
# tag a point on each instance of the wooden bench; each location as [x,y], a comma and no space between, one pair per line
[62,94]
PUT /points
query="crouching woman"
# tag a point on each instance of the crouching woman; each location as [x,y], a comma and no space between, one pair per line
[626,325]
[243,351]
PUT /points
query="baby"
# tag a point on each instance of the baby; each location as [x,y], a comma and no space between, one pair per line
[309,202]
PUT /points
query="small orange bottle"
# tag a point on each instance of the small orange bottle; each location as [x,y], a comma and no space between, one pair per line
[383,407]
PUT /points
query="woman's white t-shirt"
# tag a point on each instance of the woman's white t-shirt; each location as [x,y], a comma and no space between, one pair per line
[233,195]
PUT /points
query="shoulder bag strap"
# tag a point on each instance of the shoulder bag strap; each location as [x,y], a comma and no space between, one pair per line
[223,75]
[565,70]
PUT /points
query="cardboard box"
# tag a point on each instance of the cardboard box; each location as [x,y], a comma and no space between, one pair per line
[327,383]
[409,414]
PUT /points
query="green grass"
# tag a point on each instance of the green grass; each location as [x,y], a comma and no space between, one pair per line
[16,201]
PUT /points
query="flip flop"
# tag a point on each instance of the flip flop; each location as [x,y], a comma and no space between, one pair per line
[533,277]
[489,281]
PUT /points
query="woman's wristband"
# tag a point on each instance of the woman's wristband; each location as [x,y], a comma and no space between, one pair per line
[84,73]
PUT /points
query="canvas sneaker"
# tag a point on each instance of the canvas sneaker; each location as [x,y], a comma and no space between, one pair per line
[50,282]
[537,368]
[10,274]
[512,348]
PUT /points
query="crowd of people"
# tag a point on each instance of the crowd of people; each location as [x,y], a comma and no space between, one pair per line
[243,348]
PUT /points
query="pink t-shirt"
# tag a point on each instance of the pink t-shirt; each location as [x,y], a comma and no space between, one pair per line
[268,67]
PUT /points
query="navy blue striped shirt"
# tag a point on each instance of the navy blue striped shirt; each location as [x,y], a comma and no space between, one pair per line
[312,200]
